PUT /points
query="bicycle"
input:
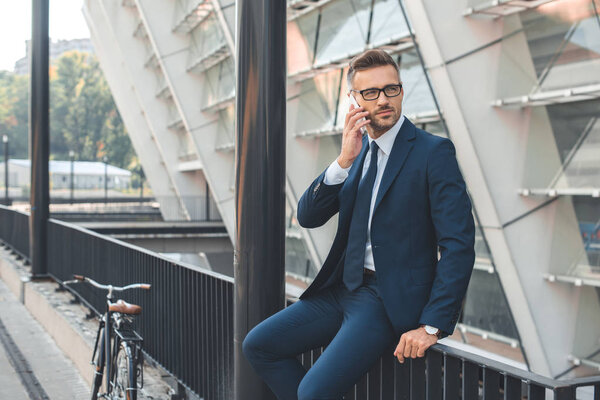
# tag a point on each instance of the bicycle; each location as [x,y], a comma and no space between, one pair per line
[125,357]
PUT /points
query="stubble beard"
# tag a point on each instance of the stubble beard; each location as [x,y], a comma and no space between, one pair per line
[380,126]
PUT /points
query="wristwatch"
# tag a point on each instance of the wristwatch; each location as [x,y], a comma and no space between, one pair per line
[432,330]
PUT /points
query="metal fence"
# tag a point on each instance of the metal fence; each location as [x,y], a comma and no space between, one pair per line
[188,208]
[448,373]
[14,230]
[187,325]
[169,208]
[187,317]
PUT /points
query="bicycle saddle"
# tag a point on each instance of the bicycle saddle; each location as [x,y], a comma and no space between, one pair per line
[124,307]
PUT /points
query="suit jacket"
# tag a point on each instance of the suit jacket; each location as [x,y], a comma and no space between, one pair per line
[422,203]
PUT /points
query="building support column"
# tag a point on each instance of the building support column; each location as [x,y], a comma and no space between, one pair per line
[39,138]
[259,262]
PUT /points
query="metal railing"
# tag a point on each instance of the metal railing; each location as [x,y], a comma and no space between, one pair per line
[187,318]
[197,208]
[449,373]
[187,325]
[14,230]
[169,208]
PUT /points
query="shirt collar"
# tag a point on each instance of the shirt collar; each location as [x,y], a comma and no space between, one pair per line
[386,141]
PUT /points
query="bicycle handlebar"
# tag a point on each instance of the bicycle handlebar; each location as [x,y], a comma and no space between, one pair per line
[81,278]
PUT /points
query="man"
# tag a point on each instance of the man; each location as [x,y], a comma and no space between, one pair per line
[400,195]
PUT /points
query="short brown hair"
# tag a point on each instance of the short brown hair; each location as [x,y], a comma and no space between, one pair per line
[370,59]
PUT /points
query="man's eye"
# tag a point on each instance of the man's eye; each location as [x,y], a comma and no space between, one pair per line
[370,93]
[392,89]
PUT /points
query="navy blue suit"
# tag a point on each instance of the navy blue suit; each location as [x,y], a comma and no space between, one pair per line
[421,203]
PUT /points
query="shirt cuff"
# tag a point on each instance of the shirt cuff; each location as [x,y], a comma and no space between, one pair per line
[335,174]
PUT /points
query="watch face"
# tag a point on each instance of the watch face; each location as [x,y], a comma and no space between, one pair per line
[431,330]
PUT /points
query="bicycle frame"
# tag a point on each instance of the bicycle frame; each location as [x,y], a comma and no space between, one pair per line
[133,339]
[107,337]
[122,333]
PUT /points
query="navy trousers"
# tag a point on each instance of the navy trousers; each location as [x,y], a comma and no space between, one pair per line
[353,323]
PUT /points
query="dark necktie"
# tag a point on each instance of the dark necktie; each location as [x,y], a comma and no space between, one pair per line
[357,237]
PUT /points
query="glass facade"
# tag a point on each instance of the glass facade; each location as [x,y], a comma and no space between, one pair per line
[564,41]
[388,23]
[220,82]
[344,27]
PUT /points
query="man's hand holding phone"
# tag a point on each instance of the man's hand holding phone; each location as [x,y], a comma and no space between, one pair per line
[352,135]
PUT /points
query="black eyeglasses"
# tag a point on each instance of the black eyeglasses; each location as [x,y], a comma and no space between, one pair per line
[373,93]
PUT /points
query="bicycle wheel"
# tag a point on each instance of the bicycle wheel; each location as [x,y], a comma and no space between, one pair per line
[99,367]
[125,383]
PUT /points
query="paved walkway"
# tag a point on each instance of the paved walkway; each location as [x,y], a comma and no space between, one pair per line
[10,385]
[31,364]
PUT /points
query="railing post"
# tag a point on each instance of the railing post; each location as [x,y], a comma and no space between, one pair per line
[6,195]
[72,159]
[39,138]
[565,393]
[259,262]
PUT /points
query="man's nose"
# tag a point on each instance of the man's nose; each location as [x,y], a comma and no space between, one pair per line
[382,100]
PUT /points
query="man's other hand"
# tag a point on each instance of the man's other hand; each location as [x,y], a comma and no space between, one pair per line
[414,343]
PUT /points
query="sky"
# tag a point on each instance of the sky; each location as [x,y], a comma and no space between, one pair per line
[66,22]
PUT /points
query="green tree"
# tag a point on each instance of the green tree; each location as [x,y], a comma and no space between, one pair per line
[83,115]
[14,112]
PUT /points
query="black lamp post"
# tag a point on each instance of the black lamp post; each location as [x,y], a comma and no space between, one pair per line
[72,158]
[105,159]
[5,141]
[141,172]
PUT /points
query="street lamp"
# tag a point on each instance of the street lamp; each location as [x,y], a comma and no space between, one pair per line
[5,141]
[141,172]
[105,159]
[72,158]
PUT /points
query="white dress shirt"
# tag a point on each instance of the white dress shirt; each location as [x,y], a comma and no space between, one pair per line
[335,174]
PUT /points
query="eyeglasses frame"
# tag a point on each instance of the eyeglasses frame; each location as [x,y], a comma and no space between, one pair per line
[379,91]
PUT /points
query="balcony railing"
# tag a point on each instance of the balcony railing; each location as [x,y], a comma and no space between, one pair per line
[14,230]
[503,8]
[189,14]
[551,97]
[187,325]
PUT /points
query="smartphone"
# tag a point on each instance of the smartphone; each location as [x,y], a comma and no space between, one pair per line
[362,129]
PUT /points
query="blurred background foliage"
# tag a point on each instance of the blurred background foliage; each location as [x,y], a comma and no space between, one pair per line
[83,114]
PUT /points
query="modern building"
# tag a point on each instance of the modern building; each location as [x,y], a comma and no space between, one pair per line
[514,84]
[86,175]
[57,49]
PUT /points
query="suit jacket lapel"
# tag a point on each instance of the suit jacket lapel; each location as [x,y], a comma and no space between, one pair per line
[402,146]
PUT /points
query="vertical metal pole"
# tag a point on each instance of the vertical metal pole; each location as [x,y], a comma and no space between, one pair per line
[5,141]
[39,135]
[105,180]
[370,28]
[141,184]
[72,157]
[259,258]
[207,203]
